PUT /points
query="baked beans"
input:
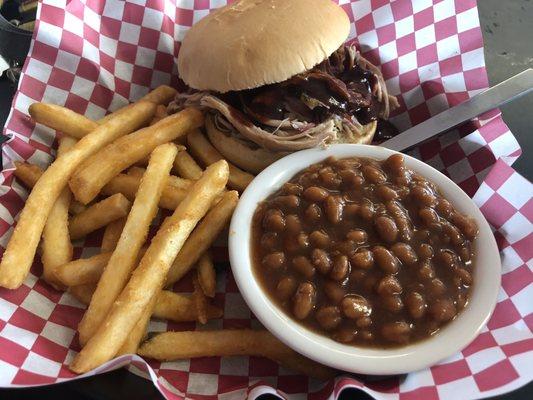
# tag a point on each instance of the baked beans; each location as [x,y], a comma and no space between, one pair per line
[366,252]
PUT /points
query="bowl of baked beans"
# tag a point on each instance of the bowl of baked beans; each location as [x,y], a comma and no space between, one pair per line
[364,259]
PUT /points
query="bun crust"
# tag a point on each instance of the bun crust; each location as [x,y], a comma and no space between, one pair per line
[246,45]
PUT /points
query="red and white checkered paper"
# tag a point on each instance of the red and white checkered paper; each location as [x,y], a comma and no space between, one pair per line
[95,56]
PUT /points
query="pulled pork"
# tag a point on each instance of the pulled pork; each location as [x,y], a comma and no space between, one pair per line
[338,96]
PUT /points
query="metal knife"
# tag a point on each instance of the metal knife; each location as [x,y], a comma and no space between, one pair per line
[493,97]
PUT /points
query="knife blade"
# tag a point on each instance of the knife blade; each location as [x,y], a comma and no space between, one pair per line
[493,97]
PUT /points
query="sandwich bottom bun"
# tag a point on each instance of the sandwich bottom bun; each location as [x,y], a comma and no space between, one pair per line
[255,159]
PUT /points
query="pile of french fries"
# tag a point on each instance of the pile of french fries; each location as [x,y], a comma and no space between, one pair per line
[115,174]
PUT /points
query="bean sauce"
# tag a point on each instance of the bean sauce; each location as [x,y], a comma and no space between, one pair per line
[366,252]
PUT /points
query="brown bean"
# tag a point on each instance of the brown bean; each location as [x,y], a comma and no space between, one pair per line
[453,233]
[426,270]
[423,196]
[334,291]
[313,213]
[355,307]
[315,194]
[464,276]
[389,285]
[402,222]
[386,228]
[363,259]
[359,236]
[286,287]
[350,179]
[392,303]
[444,208]
[346,247]
[274,261]
[341,268]
[291,245]
[386,193]
[304,300]
[302,265]
[436,287]
[329,317]
[344,335]
[373,174]
[404,253]
[366,211]
[447,258]
[467,225]
[364,322]
[292,188]
[425,251]
[333,209]
[274,221]
[442,310]
[350,210]
[385,259]
[428,216]
[465,252]
[303,240]
[416,305]
[397,332]
[269,240]
[365,335]
[290,201]
[321,261]
[329,178]
[394,163]
[319,239]
[293,224]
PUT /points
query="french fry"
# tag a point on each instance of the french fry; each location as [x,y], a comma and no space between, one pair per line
[20,251]
[147,280]
[170,346]
[28,174]
[161,95]
[160,113]
[82,293]
[203,150]
[200,301]
[87,271]
[207,275]
[76,207]
[101,167]
[136,171]
[112,234]
[179,308]
[122,262]
[186,167]
[131,344]
[128,185]
[180,183]
[99,215]
[62,119]
[203,236]
[83,270]
[169,305]
[56,245]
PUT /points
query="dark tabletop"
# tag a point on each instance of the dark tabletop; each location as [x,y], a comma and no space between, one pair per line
[508,33]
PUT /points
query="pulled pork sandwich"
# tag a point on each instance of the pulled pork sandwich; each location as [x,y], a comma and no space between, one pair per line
[275,77]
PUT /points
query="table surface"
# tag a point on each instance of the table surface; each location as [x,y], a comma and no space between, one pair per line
[507,31]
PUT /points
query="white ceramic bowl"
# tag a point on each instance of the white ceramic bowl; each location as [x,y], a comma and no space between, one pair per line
[450,339]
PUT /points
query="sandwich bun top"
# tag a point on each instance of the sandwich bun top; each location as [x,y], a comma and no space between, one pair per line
[251,43]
